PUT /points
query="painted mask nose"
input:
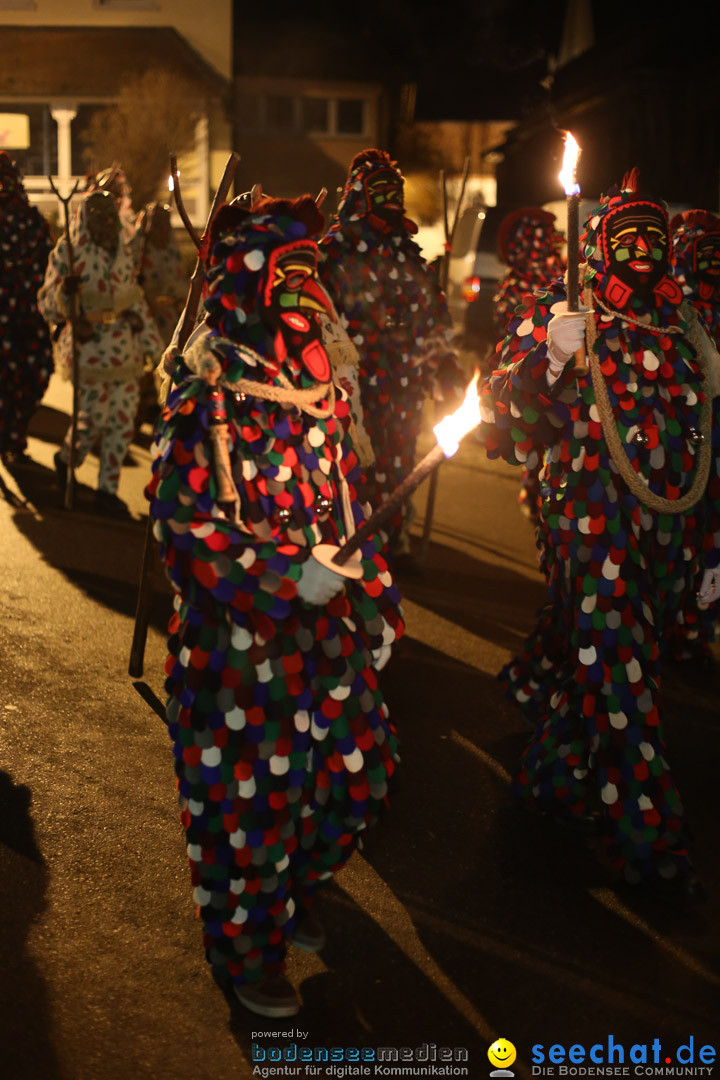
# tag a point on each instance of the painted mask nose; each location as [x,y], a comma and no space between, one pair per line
[642,244]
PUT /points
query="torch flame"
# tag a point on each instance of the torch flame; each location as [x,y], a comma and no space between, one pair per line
[569,165]
[456,426]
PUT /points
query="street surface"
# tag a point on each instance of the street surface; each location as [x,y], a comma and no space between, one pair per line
[463,920]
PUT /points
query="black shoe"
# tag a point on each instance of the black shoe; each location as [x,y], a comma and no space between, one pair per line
[61,470]
[106,502]
[680,893]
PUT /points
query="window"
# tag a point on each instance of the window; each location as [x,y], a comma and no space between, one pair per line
[350,116]
[248,112]
[40,157]
[314,114]
[280,113]
[127,5]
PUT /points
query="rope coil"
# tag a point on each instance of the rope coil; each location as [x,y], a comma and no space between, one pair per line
[636,483]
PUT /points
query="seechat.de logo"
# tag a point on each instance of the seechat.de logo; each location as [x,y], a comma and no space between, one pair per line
[502,1054]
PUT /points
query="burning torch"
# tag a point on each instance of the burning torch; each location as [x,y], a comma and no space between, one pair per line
[449,433]
[569,182]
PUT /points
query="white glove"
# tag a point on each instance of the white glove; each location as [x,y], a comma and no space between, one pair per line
[565,334]
[381,656]
[709,590]
[318,585]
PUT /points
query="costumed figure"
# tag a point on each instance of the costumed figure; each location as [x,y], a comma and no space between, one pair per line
[115,181]
[160,269]
[281,737]
[696,268]
[630,523]
[164,281]
[530,245]
[26,361]
[395,314]
[113,333]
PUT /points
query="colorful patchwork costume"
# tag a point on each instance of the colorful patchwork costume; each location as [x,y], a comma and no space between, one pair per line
[530,244]
[114,331]
[630,523]
[281,738]
[395,314]
[26,361]
[696,268]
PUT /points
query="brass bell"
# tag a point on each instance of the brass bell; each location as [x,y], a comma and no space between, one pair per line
[696,437]
[322,505]
[640,438]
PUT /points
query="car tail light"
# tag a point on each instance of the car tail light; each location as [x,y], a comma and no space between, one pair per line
[470,289]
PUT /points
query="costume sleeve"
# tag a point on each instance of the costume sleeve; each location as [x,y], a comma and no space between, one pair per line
[215,565]
[149,340]
[51,298]
[375,600]
[521,411]
[711,541]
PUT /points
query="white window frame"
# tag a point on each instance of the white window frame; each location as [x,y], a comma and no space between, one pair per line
[331,132]
[126,5]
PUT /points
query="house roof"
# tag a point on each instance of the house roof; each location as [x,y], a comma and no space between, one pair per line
[91,61]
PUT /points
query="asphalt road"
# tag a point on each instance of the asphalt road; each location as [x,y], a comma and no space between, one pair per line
[463,920]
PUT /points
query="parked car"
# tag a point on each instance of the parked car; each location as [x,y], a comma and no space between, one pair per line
[474,273]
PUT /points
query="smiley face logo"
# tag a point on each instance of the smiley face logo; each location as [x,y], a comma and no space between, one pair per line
[502,1054]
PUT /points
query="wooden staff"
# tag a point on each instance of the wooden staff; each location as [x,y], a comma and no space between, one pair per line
[144,236]
[182,333]
[72,304]
[449,237]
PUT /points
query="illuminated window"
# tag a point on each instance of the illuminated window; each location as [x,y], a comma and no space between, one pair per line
[37,156]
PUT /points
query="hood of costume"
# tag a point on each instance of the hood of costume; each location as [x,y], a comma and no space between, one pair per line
[264,301]
[528,240]
[376,274]
[696,264]
[607,276]
[24,235]
[530,245]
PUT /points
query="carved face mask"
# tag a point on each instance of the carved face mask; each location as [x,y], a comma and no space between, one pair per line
[102,220]
[636,246]
[294,298]
[159,229]
[707,265]
[385,195]
[9,184]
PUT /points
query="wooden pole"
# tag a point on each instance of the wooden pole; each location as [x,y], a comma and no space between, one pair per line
[449,237]
[182,333]
[69,497]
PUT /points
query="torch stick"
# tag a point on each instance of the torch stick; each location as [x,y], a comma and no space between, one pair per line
[448,432]
[182,333]
[72,303]
[572,191]
[449,237]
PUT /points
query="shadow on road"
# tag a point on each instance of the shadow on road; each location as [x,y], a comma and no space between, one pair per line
[23,887]
[100,556]
[496,604]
